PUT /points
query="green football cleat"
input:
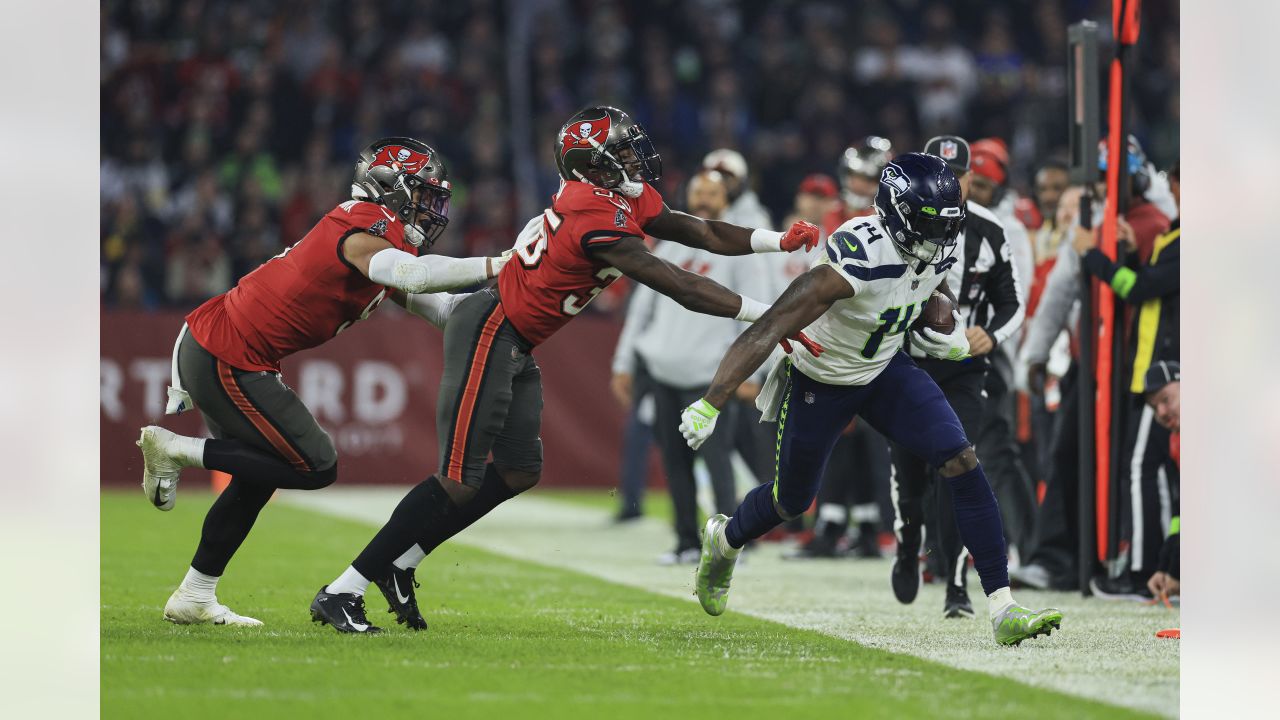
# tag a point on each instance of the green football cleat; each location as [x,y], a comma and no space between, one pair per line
[1017,623]
[714,570]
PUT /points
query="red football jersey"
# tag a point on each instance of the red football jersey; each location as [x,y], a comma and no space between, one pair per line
[552,276]
[300,298]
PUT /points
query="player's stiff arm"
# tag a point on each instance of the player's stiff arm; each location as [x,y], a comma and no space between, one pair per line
[490,401]
[858,303]
[226,362]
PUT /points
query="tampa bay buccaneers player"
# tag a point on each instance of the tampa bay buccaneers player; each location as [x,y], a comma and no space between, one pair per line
[491,392]
[226,361]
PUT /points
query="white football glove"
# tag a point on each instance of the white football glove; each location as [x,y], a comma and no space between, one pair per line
[697,422]
[945,347]
[496,263]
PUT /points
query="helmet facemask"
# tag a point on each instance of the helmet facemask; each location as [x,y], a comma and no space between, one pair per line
[634,162]
[426,218]
[931,237]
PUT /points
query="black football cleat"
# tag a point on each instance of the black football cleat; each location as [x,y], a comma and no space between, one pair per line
[344,611]
[957,604]
[905,575]
[397,587]
[868,545]
[821,546]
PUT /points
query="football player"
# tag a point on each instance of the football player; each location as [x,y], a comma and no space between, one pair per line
[491,392]
[226,361]
[858,302]
[859,170]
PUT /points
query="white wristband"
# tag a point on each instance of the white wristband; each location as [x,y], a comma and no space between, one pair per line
[751,310]
[765,241]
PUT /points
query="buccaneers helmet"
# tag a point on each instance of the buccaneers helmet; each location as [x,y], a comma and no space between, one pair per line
[603,146]
[390,170]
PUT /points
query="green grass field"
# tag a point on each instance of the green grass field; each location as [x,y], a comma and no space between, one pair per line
[508,638]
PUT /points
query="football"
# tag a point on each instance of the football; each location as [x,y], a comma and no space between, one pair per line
[936,315]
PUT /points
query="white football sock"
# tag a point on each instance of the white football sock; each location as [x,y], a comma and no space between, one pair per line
[198,587]
[188,450]
[349,582]
[999,601]
[410,558]
[723,546]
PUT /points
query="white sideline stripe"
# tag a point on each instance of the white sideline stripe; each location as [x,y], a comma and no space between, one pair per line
[1106,651]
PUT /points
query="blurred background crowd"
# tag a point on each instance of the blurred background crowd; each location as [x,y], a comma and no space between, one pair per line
[229,128]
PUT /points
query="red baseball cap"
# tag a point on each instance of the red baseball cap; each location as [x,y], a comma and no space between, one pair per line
[990,159]
[819,184]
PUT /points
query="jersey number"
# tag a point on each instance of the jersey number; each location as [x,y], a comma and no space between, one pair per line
[531,244]
[373,305]
[574,303]
[893,321]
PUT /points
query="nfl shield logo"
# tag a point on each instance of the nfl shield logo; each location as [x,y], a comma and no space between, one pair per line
[949,149]
[808,398]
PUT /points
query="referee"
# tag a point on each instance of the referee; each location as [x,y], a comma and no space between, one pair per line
[991,305]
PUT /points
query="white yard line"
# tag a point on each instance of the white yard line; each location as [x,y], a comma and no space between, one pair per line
[1106,651]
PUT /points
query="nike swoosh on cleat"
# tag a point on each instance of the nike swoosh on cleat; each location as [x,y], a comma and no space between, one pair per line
[402,598]
[358,626]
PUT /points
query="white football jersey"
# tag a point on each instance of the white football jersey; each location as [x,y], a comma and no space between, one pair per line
[860,334]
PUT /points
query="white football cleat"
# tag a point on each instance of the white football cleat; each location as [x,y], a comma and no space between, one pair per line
[160,467]
[182,611]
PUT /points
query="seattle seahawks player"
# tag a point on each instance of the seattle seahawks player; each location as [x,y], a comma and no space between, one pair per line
[858,302]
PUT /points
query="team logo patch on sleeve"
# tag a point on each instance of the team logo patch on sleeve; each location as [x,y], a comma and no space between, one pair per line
[379,228]
[844,245]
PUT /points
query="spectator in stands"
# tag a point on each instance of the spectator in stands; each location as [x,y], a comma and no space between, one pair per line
[211,76]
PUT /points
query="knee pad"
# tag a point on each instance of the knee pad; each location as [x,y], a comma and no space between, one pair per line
[960,463]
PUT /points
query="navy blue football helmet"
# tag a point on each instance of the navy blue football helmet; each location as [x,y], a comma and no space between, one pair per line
[919,202]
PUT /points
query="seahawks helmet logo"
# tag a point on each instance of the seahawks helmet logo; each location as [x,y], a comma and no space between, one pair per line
[893,177]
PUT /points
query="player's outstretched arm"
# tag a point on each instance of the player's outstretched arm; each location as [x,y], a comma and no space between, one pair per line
[435,308]
[376,259]
[697,293]
[801,303]
[725,238]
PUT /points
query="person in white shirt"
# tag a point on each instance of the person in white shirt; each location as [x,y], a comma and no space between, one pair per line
[681,349]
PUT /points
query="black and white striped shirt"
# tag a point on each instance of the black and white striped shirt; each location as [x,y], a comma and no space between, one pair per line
[984,277]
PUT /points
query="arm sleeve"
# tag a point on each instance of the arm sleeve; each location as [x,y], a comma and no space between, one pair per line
[425,274]
[1061,290]
[639,312]
[1008,304]
[1146,283]
[435,308]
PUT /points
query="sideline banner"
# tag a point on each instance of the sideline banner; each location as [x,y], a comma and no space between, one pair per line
[374,390]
